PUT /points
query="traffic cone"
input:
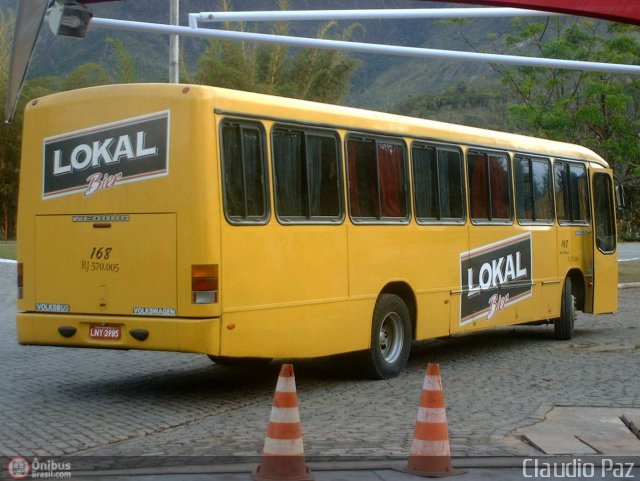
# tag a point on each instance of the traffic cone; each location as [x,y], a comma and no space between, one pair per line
[283,453]
[430,454]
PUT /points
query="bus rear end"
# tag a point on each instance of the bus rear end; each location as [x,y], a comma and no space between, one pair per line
[118,220]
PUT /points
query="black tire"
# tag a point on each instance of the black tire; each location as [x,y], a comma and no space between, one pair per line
[563,327]
[245,362]
[390,339]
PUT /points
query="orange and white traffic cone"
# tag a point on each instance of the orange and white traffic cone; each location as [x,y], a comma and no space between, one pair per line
[283,453]
[430,453]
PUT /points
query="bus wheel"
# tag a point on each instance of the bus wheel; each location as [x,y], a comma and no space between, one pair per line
[564,325]
[390,338]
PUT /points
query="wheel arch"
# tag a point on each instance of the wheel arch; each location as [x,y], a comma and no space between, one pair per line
[577,287]
[404,292]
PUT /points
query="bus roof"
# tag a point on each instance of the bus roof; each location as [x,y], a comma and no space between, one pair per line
[248,104]
[282,108]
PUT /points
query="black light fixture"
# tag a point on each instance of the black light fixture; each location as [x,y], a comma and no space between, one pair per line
[69,18]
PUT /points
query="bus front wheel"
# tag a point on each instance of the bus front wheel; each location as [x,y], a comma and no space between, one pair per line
[390,338]
[563,326]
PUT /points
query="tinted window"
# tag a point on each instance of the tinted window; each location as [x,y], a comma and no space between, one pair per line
[377,179]
[489,186]
[572,192]
[437,183]
[604,218]
[534,195]
[306,175]
[243,168]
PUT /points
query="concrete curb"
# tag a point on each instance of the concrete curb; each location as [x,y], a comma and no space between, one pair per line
[482,463]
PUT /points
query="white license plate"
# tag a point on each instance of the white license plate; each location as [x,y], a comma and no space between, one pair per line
[105,332]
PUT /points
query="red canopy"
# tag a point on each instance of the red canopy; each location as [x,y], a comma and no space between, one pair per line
[618,11]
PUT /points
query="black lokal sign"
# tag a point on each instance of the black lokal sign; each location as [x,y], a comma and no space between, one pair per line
[495,276]
[100,157]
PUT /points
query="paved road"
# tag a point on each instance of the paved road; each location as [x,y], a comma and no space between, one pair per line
[56,401]
[629,251]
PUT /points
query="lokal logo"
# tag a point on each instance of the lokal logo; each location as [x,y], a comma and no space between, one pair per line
[495,276]
[19,467]
[100,157]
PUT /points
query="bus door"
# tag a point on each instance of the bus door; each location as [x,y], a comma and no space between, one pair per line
[605,259]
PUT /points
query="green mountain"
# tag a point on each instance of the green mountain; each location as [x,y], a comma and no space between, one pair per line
[380,82]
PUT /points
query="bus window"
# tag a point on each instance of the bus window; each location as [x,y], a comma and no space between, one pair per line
[243,168]
[534,191]
[490,186]
[306,175]
[580,186]
[377,179]
[572,192]
[604,220]
[437,184]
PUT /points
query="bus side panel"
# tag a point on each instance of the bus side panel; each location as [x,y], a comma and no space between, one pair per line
[437,253]
[543,302]
[284,292]
[575,253]
[426,262]
[306,330]
[481,304]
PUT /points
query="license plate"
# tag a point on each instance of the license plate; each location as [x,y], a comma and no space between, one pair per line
[104,332]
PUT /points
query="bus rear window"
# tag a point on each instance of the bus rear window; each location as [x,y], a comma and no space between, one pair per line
[243,171]
[377,180]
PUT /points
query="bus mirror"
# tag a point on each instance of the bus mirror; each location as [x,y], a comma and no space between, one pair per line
[619,192]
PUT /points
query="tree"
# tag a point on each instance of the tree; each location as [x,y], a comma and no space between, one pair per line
[90,74]
[476,104]
[598,110]
[9,138]
[119,67]
[125,64]
[321,75]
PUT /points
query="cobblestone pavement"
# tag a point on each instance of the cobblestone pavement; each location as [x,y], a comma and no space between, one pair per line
[56,401]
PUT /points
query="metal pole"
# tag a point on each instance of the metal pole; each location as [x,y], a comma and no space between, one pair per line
[387,14]
[364,47]
[174,44]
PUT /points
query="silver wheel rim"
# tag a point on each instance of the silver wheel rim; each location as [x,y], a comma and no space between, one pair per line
[391,337]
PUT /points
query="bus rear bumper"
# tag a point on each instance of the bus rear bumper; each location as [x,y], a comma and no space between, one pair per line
[148,333]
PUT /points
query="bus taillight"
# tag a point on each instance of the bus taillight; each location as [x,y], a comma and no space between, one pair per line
[20,280]
[204,283]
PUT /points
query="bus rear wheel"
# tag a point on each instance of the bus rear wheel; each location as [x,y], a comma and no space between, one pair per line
[390,339]
[563,327]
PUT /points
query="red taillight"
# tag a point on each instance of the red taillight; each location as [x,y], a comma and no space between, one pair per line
[20,280]
[204,283]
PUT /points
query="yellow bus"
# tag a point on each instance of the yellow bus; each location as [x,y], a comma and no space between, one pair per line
[246,226]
